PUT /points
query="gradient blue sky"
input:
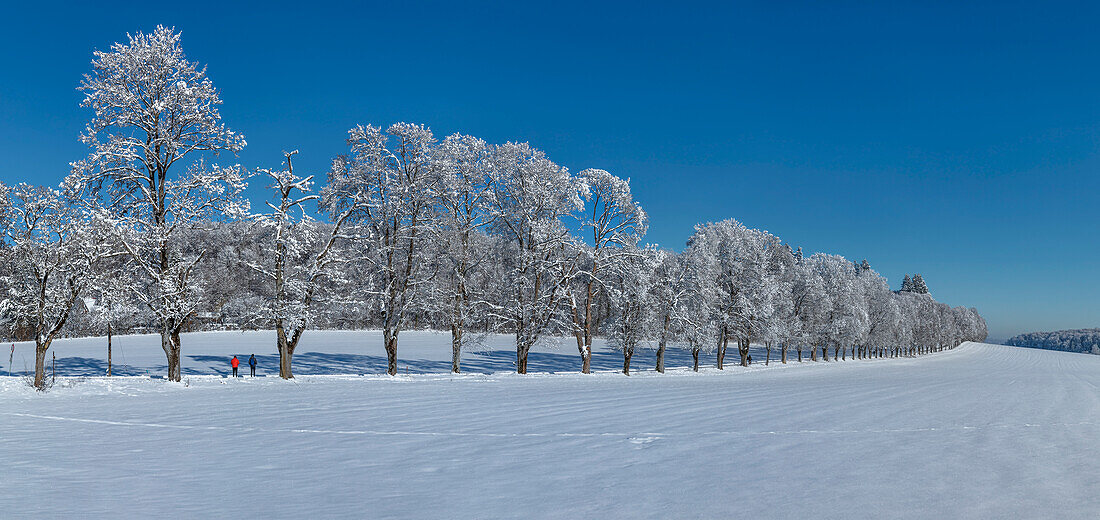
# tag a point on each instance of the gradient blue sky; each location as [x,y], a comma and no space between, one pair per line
[958,142]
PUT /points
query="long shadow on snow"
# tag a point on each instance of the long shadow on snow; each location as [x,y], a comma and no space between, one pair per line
[480,361]
[77,366]
[315,363]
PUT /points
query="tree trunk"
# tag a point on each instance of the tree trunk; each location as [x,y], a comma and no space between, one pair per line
[170,343]
[458,313]
[391,352]
[722,342]
[743,349]
[661,345]
[661,357]
[783,354]
[836,350]
[695,356]
[285,358]
[521,358]
[456,349]
[108,350]
[286,351]
[844,355]
[578,333]
[40,365]
[768,356]
[799,349]
[627,354]
[825,353]
[813,353]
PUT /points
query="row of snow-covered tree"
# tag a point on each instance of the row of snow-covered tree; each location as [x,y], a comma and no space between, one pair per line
[414,231]
[1076,340]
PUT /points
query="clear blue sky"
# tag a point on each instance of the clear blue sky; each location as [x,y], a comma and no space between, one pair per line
[958,142]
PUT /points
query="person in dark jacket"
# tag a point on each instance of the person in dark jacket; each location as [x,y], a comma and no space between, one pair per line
[234,363]
[252,364]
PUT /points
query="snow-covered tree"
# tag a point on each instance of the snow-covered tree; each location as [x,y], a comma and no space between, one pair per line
[907,284]
[667,294]
[846,317]
[762,291]
[392,183]
[779,324]
[615,223]
[297,256]
[152,111]
[111,305]
[742,289]
[50,252]
[629,286]
[883,316]
[809,309]
[919,286]
[696,322]
[530,197]
[463,196]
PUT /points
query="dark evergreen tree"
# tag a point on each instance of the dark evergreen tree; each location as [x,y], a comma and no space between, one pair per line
[907,284]
[919,286]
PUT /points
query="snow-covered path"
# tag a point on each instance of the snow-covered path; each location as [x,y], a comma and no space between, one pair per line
[978,432]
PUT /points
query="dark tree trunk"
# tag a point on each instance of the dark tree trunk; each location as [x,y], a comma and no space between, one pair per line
[286,357]
[521,358]
[768,356]
[286,348]
[40,365]
[722,342]
[456,349]
[627,354]
[743,349]
[586,352]
[108,350]
[661,357]
[391,352]
[695,357]
[661,345]
[799,349]
[170,343]
[586,355]
[457,315]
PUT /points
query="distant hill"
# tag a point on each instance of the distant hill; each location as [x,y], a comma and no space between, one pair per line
[1079,340]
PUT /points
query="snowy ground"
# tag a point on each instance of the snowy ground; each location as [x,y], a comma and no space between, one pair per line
[978,432]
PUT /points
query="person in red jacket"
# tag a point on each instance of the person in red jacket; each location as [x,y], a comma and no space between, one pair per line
[235,363]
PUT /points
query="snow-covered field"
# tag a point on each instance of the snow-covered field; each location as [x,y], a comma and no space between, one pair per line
[982,431]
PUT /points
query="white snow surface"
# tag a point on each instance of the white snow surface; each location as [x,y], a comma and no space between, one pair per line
[982,431]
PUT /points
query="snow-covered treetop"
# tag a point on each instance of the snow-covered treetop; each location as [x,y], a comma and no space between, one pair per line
[151,108]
